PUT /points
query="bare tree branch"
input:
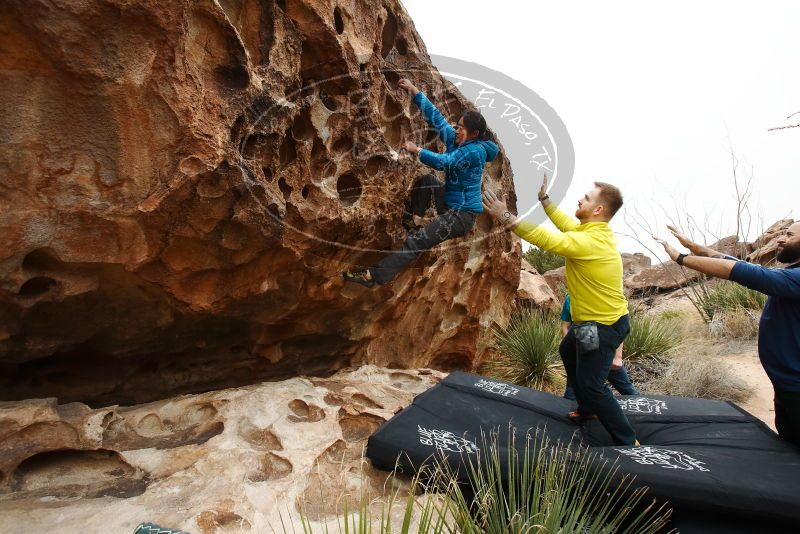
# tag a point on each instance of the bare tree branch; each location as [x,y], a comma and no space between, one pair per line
[787,126]
[783,127]
[679,216]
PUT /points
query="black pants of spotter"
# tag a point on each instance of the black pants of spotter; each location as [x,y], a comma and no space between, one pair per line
[587,372]
[787,415]
[448,224]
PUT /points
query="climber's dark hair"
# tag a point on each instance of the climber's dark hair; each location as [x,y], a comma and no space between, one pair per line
[474,122]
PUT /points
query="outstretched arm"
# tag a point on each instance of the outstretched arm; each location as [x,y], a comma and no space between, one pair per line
[717,267]
[696,248]
[775,282]
[432,115]
[567,244]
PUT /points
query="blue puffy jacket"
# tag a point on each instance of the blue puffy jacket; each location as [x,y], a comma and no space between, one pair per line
[462,164]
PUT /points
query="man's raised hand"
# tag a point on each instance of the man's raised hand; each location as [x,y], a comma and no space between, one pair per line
[543,189]
[669,249]
[682,239]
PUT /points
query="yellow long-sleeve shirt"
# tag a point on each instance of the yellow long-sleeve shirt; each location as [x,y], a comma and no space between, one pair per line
[594,265]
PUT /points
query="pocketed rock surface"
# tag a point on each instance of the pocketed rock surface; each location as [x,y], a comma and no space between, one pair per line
[183,183]
[234,460]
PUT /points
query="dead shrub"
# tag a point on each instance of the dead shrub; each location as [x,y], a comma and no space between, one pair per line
[706,378]
[739,323]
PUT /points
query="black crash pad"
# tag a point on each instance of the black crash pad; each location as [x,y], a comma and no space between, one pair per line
[706,458]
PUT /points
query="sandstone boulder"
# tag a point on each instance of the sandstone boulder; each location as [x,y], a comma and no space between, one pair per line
[183,183]
[633,263]
[765,247]
[234,460]
[556,279]
[660,278]
[534,290]
[732,246]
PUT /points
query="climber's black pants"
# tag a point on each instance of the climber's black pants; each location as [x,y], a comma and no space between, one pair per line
[449,223]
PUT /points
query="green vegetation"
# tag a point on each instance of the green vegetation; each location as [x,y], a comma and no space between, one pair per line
[671,314]
[528,351]
[542,260]
[547,488]
[528,347]
[651,336]
[728,297]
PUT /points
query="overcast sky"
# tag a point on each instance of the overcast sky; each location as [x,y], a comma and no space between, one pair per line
[650,93]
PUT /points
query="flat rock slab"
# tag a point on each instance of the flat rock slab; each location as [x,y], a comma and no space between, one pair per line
[228,461]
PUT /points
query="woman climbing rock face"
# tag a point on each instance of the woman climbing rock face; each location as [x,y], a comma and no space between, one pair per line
[469,147]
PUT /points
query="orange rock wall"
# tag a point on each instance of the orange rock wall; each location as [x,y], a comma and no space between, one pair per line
[181,184]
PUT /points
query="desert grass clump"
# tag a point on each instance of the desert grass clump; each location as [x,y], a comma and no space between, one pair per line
[702,377]
[728,297]
[528,351]
[549,487]
[543,260]
[740,323]
[538,486]
[671,315]
[651,336]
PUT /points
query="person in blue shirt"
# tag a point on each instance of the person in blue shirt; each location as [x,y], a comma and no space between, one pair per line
[458,202]
[779,327]
[617,376]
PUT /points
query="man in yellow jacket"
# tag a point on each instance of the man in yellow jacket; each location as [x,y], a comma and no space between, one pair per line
[594,280]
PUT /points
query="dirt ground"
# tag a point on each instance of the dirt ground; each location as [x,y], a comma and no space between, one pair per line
[747,367]
[740,355]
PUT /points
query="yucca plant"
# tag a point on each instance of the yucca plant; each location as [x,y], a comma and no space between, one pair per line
[528,351]
[548,488]
[551,488]
[651,336]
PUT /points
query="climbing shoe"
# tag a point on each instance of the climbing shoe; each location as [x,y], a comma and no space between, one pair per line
[576,417]
[358,277]
[150,528]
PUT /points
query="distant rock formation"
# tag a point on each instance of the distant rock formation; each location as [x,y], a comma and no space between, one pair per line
[183,182]
[765,248]
[534,290]
[660,278]
[670,276]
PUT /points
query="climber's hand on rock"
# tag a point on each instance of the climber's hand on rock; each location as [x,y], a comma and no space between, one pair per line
[412,147]
[406,84]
